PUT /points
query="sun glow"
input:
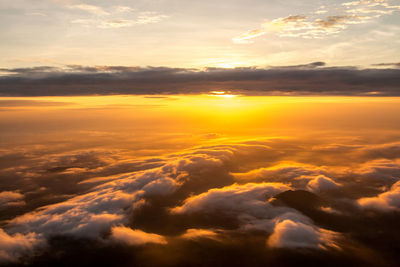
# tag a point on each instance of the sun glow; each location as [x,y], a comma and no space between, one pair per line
[221,94]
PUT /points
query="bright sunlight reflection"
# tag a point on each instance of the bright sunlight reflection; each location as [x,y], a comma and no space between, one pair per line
[221,94]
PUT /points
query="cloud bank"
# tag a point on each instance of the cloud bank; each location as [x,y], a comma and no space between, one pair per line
[228,199]
[306,79]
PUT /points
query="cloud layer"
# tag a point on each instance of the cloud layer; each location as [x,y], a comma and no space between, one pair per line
[221,199]
[306,79]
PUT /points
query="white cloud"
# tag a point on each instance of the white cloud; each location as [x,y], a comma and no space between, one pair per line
[322,183]
[109,205]
[322,22]
[123,9]
[291,234]
[387,201]
[150,17]
[141,19]
[95,212]
[96,10]
[235,199]
[245,38]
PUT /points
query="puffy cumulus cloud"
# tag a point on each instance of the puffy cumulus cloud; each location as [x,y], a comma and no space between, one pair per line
[321,23]
[79,170]
[93,213]
[113,201]
[133,237]
[322,183]
[11,198]
[13,247]
[294,173]
[235,199]
[290,234]
[302,79]
[192,196]
[249,204]
[267,221]
[387,201]
[196,234]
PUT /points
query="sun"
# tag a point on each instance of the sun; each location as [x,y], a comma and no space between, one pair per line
[221,94]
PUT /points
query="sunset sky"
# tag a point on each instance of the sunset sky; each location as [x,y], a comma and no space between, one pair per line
[179,133]
[196,34]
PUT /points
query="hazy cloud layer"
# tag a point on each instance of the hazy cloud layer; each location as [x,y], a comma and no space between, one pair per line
[306,79]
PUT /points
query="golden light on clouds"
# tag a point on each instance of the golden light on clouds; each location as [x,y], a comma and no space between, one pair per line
[207,170]
[199,133]
[221,94]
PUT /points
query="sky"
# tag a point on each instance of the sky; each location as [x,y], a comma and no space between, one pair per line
[198,34]
[199,133]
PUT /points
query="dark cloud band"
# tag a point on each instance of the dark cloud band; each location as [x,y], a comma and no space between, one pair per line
[307,79]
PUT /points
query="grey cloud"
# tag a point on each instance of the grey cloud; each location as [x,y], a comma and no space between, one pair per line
[30,103]
[393,64]
[332,21]
[13,247]
[309,65]
[303,79]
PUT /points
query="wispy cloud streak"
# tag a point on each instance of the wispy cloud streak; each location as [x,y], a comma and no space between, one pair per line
[323,22]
